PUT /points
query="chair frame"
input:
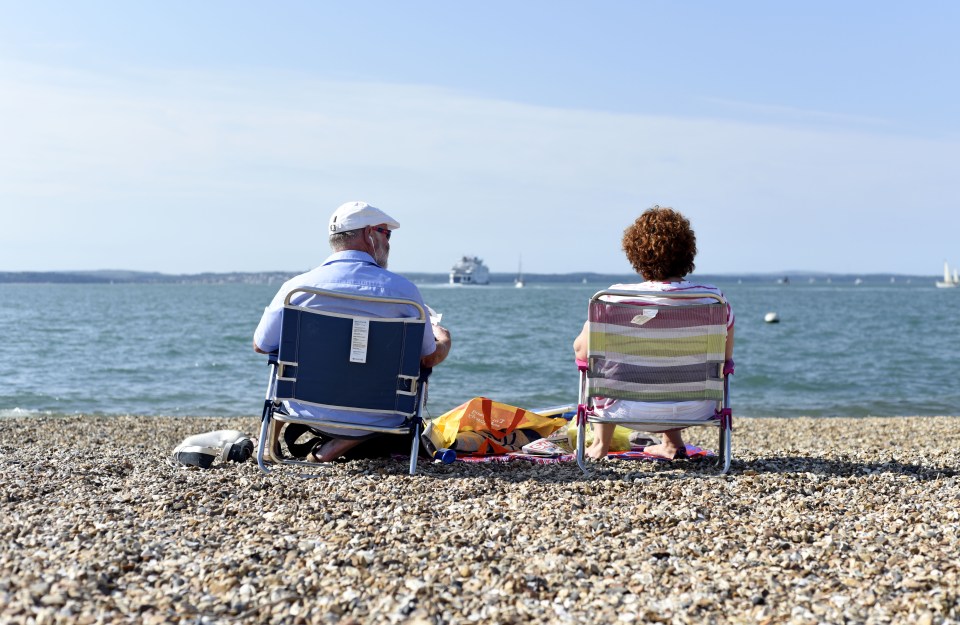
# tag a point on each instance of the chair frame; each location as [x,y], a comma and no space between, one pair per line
[273,420]
[722,418]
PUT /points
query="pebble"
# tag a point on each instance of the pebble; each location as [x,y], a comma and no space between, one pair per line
[819,521]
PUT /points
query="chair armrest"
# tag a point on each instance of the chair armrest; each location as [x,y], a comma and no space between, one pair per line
[728,367]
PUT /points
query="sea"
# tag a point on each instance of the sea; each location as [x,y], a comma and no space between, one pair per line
[840,348]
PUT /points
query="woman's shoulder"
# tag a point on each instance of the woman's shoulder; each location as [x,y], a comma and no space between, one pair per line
[682,285]
[695,286]
[636,286]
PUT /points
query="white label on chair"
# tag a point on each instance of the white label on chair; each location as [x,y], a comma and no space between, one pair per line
[645,316]
[358,342]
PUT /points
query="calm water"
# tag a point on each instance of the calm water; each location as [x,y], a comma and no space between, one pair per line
[840,349]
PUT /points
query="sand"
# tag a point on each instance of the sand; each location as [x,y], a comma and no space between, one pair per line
[820,521]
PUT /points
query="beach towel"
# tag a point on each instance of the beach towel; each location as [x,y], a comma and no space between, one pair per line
[693,452]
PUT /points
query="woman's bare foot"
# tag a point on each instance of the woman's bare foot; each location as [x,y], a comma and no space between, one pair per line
[596,451]
[332,449]
[672,446]
[661,450]
[602,438]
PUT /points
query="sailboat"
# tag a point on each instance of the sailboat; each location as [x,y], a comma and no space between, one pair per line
[518,282]
[949,282]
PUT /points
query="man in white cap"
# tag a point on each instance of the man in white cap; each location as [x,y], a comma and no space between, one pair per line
[360,239]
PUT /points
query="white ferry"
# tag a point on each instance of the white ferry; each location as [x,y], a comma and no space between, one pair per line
[469,270]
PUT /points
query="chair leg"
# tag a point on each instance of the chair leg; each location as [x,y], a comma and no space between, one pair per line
[415,448]
[581,444]
[725,447]
[264,437]
[729,449]
[266,417]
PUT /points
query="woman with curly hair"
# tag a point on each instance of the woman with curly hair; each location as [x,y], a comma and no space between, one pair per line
[661,246]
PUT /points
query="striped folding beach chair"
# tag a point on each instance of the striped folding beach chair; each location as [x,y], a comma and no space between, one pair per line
[334,361]
[651,346]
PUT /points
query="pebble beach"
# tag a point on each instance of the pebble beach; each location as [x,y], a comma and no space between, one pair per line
[826,520]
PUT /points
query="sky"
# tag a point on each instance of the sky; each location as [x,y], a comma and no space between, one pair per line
[187,137]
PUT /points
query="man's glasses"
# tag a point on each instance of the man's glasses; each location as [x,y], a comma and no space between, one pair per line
[384,231]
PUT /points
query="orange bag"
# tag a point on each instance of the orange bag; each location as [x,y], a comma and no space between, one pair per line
[484,426]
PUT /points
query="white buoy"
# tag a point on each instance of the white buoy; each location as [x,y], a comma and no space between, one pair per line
[771,317]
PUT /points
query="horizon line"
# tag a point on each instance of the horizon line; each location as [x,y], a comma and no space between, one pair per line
[138,272]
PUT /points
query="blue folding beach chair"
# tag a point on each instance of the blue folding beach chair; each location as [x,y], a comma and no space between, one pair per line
[332,358]
[652,346]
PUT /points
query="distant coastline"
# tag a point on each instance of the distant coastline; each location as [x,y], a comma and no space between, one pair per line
[275,277]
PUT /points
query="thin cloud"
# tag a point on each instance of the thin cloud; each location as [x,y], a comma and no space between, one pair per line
[786,114]
[224,152]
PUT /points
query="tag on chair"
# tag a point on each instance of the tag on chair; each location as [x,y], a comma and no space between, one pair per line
[645,316]
[359,339]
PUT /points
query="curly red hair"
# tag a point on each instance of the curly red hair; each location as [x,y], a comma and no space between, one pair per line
[660,244]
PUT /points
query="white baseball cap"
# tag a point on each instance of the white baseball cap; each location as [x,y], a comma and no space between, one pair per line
[355,215]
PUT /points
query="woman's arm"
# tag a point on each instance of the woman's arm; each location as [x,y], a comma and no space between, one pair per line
[580,344]
[729,353]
